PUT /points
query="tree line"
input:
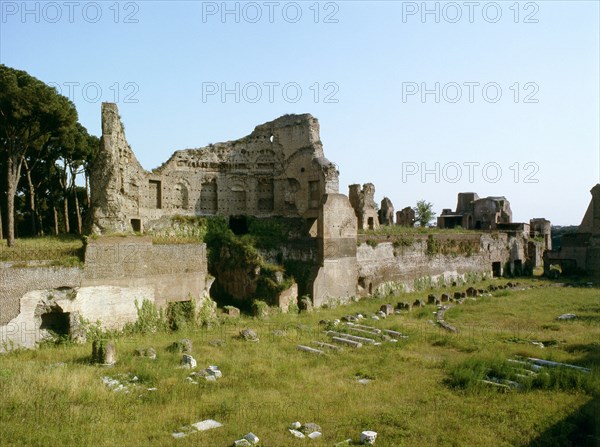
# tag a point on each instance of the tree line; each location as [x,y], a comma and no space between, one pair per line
[43,151]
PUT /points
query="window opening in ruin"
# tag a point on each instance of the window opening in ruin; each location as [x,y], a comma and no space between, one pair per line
[238,224]
[518,267]
[370,223]
[155,194]
[180,196]
[136,225]
[266,199]
[271,138]
[57,322]
[209,197]
[496,269]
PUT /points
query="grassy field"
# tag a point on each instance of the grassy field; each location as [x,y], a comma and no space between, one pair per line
[54,396]
[65,250]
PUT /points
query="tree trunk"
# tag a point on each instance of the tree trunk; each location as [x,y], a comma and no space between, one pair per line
[87,190]
[55,213]
[13,171]
[1,230]
[32,207]
[77,211]
[66,213]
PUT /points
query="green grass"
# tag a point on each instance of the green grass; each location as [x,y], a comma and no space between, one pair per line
[64,250]
[411,401]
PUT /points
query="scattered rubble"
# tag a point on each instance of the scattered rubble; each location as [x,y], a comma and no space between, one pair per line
[146,352]
[566,317]
[210,374]
[248,335]
[196,427]
[181,346]
[123,383]
[187,361]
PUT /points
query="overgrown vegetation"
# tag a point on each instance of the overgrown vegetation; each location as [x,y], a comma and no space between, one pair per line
[424,390]
[64,250]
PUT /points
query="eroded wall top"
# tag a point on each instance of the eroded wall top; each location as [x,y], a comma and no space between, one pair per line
[278,170]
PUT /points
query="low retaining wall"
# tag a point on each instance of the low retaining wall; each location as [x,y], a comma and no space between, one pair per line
[118,271]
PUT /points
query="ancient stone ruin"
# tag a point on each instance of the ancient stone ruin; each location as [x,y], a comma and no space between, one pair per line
[580,252]
[473,213]
[277,170]
[386,212]
[406,217]
[363,202]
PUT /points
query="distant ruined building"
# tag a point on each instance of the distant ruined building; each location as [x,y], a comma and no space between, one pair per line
[580,252]
[473,213]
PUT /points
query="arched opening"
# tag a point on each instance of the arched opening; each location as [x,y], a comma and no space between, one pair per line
[238,224]
[56,322]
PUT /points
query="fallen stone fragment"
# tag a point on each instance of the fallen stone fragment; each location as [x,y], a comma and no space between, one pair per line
[310,427]
[146,352]
[206,425]
[251,438]
[556,364]
[183,345]
[188,361]
[242,443]
[311,350]
[363,331]
[388,309]
[368,437]
[295,425]
[368,328]
[297,433]
[566,317]
[351,337]
[345,341]
[327,345]
[248,335]
[314,435]
[394,333]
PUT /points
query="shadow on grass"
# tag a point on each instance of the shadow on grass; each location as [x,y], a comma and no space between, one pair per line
[580,429]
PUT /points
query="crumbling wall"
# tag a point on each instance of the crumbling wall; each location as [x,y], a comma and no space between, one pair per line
[580,252]
[336,278]
[406,217]
[363,203]
[438,259]
[277,170]
[386,212]
[117,272]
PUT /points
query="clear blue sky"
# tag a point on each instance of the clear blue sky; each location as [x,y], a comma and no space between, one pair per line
[360,69]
